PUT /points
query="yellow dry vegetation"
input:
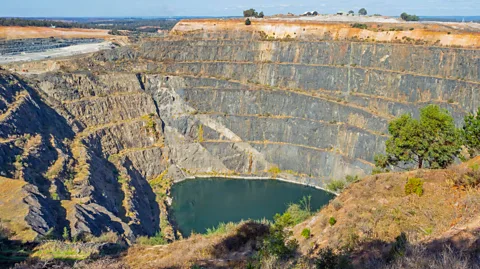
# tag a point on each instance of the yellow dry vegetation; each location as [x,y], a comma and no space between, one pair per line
[13,210]
[377,209]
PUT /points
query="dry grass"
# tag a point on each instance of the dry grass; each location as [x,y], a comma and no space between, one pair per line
[63,251]
[230,249]
[13,210]
[377,209]
[420,258]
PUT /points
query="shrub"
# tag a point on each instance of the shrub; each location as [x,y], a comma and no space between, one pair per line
[327,259]
[274,170]
[414,185]
[470,133]
[337,205]
[157,239]
[222,228]
[398,247]
[332,221]
[295,213]
[278,244]
[306,233]
[465,176]
[408,17]
[336,185]
[248,22]
[360,26]
[352,179]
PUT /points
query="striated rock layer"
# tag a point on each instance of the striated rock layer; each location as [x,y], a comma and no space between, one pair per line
[93,146]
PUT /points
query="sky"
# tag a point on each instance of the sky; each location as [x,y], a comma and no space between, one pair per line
[122,8]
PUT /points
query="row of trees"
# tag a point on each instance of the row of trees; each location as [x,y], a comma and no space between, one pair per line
[431,141]
[39,23]
[252,13]
[408,17]
[362,12]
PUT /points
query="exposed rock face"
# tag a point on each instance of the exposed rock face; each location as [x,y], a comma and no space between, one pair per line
[94,145]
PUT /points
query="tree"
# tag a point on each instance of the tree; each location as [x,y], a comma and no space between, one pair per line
[351,12]
[250,13]
[261,15]
[408,17]
[432,141]
[471,133]
[362,11]
[248,22]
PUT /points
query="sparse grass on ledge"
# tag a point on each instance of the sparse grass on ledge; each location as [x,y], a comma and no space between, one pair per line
[63,251]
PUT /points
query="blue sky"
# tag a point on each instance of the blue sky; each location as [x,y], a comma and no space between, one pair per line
[95,8]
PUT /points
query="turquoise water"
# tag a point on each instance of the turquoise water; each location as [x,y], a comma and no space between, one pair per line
[199,204]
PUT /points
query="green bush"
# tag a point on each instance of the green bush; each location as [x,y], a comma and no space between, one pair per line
[414,185]
[336,185]
[248,22]
[398,247]
[360,26]
[332,221]
[157,239]
[471,133]
[408,17]
[278,244]
[327,259]
[352,179]
[306,233]
[295,213]
[222,228]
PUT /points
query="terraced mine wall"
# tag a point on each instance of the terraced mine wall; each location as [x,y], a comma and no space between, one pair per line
[99,141]
[17,46]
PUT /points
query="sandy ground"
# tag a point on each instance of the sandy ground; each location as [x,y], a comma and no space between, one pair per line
[467,26]
[56,53]
[341,18]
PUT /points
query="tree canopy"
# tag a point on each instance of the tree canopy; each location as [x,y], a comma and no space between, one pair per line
[362,11]
[252,13]
[408,17]
[471,133]
[432,141]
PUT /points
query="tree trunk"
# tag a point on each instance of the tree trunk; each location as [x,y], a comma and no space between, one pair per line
[420,162]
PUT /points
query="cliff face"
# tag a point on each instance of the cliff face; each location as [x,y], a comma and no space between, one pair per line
[95,144]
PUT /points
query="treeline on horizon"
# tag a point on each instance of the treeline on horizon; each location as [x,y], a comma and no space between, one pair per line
[113,24]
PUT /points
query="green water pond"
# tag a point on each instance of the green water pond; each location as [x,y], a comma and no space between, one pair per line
[199,204]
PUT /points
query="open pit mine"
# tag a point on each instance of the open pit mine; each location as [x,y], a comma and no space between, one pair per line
[91,143]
